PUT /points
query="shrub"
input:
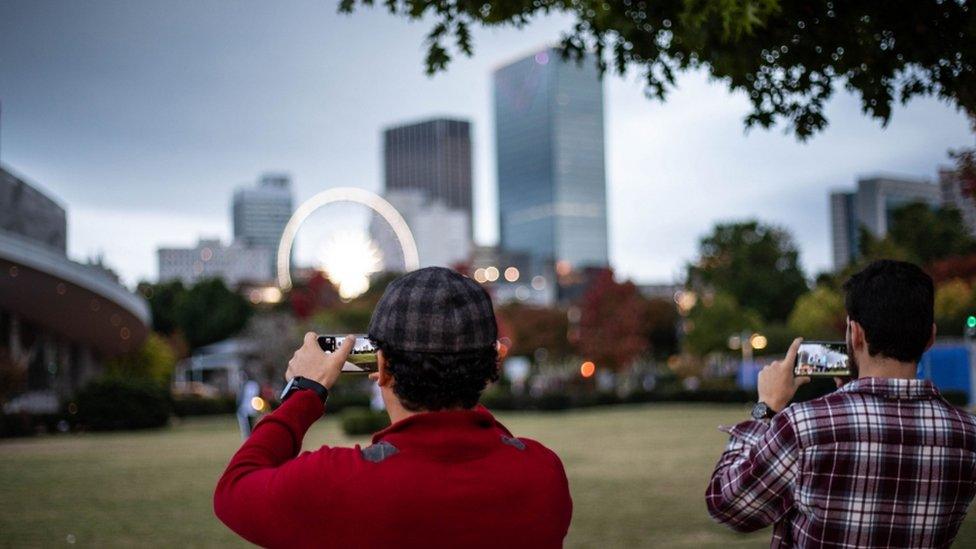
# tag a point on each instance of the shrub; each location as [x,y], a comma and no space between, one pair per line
[363,421]
[119,403]
[15,425]
[195,405]
[339,401]
[553,401]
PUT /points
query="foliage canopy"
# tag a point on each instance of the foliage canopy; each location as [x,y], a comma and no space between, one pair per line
[787,56]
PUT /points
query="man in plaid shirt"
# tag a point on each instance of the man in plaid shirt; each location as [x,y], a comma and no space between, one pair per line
[884,461]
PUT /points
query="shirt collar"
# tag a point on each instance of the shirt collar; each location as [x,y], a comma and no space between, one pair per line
[897,389]
[443,423]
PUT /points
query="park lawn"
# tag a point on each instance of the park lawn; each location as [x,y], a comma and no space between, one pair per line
[637,474]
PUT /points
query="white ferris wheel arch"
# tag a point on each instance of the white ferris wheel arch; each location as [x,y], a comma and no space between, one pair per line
[373,201]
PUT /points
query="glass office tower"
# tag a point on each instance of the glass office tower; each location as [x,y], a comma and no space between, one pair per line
[549,146]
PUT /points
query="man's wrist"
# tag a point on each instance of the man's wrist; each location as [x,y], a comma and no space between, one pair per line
[299,383]
[763,411]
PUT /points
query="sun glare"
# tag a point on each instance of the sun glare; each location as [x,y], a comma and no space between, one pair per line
[348,258]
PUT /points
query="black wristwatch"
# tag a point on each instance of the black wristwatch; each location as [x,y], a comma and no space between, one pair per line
[300,383]
[762,411]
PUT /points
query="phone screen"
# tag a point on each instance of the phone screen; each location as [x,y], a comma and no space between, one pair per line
[362,358]
[823,359]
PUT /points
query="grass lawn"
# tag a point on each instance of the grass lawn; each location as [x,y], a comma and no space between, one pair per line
[637,474]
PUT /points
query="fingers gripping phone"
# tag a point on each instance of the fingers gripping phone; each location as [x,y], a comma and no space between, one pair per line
[822,359]
[362,358]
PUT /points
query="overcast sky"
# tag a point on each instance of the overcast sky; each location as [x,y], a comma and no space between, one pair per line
[142,117]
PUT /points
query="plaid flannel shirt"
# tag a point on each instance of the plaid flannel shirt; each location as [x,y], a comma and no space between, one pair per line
[878,463]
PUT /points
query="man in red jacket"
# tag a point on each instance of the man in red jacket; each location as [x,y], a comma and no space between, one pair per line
[444,474]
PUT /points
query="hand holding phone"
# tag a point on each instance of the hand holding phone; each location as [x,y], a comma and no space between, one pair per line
[822,359]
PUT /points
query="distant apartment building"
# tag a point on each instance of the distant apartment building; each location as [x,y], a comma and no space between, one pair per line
[432,156]
[953,194]
[549,140]
[871,206]
[260,213]
[236,264]
[441,232]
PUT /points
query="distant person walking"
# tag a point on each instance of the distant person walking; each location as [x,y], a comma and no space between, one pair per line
[247,414]
[446,473]
[884,461]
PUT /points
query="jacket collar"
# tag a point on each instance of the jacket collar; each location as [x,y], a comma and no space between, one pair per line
[449,434]
[896,389]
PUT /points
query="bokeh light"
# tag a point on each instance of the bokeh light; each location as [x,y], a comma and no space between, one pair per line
[587,369]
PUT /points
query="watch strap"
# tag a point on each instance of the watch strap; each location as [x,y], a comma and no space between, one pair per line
[301,383]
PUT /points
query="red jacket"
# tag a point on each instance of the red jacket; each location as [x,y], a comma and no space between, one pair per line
[438,479]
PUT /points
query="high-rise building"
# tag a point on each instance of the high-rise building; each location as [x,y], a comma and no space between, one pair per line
[236,264]
[441,233]
[433,156]
[871,207]
[260,213]
[843,228]
[955,196]
[550,159]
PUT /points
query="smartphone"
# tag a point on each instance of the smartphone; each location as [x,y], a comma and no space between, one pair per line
[362,358]
[822,359]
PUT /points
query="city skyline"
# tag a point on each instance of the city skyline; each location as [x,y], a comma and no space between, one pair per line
[142,121]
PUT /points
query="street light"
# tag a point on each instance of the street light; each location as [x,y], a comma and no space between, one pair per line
[747,342]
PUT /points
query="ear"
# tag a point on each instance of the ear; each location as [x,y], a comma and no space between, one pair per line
[383,376]
[857,335]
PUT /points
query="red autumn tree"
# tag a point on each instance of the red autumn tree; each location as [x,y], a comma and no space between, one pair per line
[612,322]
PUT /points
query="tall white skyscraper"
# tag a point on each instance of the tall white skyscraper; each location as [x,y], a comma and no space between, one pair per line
[260,213]
[441,232]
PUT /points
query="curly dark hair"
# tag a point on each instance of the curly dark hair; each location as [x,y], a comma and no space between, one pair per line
[440,381]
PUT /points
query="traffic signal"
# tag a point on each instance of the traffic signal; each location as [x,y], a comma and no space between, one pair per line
[971,322]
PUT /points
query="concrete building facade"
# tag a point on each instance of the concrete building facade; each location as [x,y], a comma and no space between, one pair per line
[260,213]
[235,264]
[871,206]
[441,232]
[59,319]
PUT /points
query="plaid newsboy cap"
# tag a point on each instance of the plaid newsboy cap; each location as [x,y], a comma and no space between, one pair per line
[434,310]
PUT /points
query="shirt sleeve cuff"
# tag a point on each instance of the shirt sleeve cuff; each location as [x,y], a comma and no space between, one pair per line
[748,432]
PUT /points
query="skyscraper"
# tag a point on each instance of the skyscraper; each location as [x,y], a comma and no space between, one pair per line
[441,233]
[433,156]
[549,145]
[871,206]
[261,213]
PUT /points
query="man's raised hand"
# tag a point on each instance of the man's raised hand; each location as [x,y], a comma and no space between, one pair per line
[311,362]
